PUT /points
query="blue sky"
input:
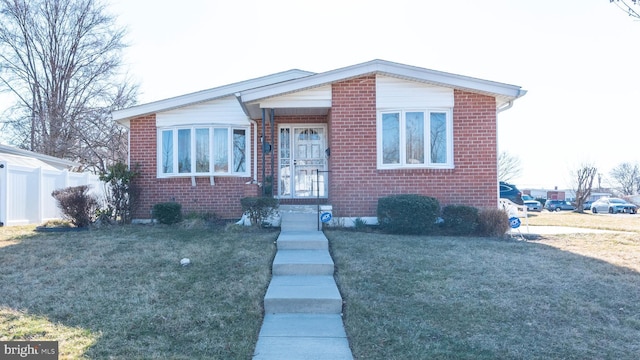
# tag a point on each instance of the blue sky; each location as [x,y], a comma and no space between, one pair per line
[576,58]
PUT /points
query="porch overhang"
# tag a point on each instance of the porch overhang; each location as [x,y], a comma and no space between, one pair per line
[254,111]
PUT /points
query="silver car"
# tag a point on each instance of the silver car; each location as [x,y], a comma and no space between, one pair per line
[613,206]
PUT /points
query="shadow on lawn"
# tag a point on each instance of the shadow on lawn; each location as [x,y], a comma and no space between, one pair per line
[121,292]
[477,298]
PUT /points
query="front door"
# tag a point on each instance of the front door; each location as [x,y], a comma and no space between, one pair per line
[303,165]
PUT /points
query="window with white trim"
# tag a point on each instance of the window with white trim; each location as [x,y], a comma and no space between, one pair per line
[203,151]
[415,139]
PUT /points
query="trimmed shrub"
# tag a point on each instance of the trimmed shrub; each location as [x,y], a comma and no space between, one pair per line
[259,208]
[76,204]
[408,214]
[167,212]
[493,222]
[460,219]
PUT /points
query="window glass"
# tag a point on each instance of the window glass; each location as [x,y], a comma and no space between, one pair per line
[167,151]
[184,150]
[221,150]
[391,138]
[415,137]
[239,147]
[202,150]
[438,137]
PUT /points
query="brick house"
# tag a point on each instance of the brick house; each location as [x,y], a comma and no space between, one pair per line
[343,138]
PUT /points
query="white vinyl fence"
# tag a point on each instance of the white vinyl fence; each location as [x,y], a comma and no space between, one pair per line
[25,192]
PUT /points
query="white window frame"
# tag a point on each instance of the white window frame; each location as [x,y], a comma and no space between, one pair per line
[449,164]
[230,129]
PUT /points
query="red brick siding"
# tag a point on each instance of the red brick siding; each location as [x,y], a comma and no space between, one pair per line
[223,198]
[356,184]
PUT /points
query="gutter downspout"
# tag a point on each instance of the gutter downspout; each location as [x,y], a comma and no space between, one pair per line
[255,151]
[505,107]
[255,136]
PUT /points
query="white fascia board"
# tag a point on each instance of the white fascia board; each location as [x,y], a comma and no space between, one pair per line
[390,69]
[122,116]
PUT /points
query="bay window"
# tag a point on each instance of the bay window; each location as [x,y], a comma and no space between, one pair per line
[415,139]
[203,151]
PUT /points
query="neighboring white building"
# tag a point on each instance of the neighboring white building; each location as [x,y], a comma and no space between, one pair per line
[27,180]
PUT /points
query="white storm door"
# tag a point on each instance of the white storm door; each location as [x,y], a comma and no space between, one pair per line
[303,162]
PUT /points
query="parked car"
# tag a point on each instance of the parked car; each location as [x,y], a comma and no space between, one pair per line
[557,205]
[587,205]
[510,192]
[613,206]
[532,204]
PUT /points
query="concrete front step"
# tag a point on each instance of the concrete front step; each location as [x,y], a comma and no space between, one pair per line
[310,240]
[299,221]
[303,294]
[302,262]
[302,336]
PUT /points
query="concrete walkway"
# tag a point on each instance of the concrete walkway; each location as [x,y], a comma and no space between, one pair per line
[302,305]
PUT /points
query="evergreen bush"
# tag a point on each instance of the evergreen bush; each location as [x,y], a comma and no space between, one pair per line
[408,214]
[167,212]
[459,219]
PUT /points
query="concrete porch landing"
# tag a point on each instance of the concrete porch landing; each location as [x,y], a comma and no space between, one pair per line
[302,305]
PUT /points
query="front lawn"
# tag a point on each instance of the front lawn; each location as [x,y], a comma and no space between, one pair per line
[120,293]
[421,297]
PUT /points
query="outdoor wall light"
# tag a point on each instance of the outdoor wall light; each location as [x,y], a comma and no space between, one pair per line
[328,152]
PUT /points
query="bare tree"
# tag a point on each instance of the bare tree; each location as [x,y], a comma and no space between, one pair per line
[61,59]
[628,7]
[626,176]
[583,183]
[508,166]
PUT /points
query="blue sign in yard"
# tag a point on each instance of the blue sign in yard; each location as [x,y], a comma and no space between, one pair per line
[514,222]
[325,217]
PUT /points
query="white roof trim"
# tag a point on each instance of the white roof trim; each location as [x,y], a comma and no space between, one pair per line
[124,115]
[297,80]
[390,69]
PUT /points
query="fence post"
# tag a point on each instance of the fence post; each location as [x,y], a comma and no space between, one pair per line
[3,192]
[40,185]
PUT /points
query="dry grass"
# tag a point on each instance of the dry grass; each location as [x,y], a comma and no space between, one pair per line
[120,293]
[617,249]
[559,297]
[620,222]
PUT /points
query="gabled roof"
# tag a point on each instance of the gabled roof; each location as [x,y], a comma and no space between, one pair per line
[298,80]
[27,158]
[382,67]
[123,116]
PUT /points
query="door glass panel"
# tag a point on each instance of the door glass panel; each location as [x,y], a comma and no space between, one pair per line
[309,163]
[284,186]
